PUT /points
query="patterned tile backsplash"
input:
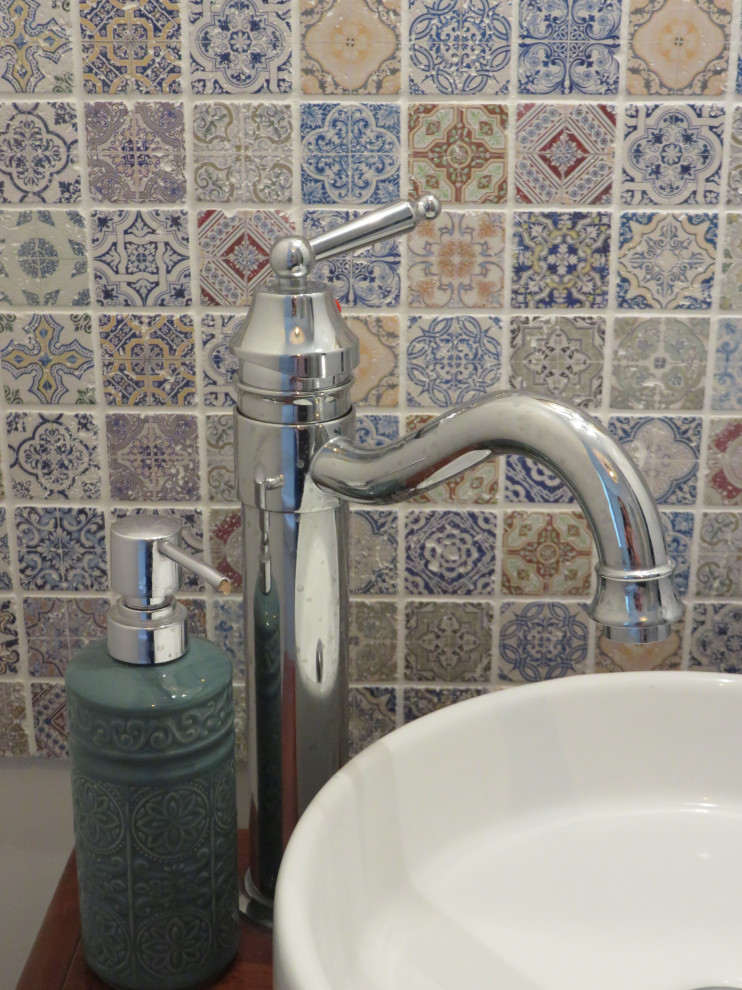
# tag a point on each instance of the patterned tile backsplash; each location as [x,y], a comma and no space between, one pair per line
[588,155]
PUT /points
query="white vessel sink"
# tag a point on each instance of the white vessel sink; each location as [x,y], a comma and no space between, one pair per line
[581,834]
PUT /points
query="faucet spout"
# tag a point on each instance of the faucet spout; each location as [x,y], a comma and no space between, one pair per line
[635,600]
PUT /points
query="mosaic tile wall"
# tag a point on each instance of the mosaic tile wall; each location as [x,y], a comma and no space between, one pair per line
[588,154]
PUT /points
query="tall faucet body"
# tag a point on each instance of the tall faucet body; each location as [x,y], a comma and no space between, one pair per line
[298,466]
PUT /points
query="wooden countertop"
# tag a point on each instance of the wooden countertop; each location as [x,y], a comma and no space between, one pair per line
[56,960]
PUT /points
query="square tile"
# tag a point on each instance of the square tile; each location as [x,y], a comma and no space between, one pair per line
[234,249]
[6,578]
[148,360]
[546,553]
[716,632]
[559,356]
[373,552]
[10,658]
[452,359]
[39,155]
[678,47]
[136,152]
[243,151]
[659,362]
[350,46]
[569,47]
[672,154]
[240,46]
[424,701]
[734,149]
[542,640]
[460,47]
[372,713]
[54,456]
[220,480]
[141,258]
[58,628]
[37,52]
[458,152]
[666,450]
[458,260]
[61,548]
[376,381]
[47,358]
[13,734]
[153,458]
[561,260]
[43,258]
[666,260]
[731,265]
[225,544]
[131,46]
[350,152]
[218,364]
[229,632]
[724,462]
[450,552]
[477,485]
[726,387]
[369,278]
[50,719]
[372,646]
[677,528]
[527,480]
[564,153]
[448,641]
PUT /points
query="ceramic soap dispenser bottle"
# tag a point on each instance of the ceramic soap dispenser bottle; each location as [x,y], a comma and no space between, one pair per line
[153,780]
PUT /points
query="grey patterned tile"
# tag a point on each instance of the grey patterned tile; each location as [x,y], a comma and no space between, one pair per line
[448,641]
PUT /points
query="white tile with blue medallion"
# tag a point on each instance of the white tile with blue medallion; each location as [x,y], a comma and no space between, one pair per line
[716,635]
[726,389]
[449,552]
[542,640]
[451,359]
[666,450]
[43,258]
[54,456]
[61,548]
[39,155]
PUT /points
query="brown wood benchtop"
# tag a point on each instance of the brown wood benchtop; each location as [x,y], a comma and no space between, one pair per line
[56,961]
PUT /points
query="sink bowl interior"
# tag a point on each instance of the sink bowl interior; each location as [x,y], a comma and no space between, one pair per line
[576,834]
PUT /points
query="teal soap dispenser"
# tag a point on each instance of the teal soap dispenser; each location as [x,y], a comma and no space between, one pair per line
[151,729]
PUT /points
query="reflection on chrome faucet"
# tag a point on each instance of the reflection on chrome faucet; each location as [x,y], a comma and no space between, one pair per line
[294,423]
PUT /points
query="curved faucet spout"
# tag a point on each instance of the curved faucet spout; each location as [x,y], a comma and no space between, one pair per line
[636,600]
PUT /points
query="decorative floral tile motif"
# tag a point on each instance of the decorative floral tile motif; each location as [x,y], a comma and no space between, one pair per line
[452,359]
[448,641]
[724,462]
[666,451]
[148,360]
[218,364]
[13,736]
[546,553]
[458,151]
[39,158]
[561,259]
[372,647]
[372,714]
[36,54]
[666,260]
[350,46]
[43,258]
[220,480]
[61,549]
[569,46]
[58,628]
[350,152]
[542,640]
[229,632]
[450,553]
[240,46]
[136,152]
[243,151]
[50,719]
[672,154]
[678,531]
[477,484]
[377,378]
[141,258]
[560,356]
[10,659]
[373,430]
[369,278]
[373,552]
[191,534]
[726,388]
[731,266]
[678,46]
[53,456]
[527,480]
[458,260]
[734,147]
[715,636]
[611,657]
[6,578]
[153,458]
[424,701]
[564,153]
[233,252]
[659,362]
[47,358]
[225,544]
[460,48]
[131,46]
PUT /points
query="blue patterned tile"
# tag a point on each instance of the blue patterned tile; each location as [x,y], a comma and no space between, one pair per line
[542,640]
[666,450]
[372,714]
[148,360]
[716,638]
[452,359]
[37,52]
[726,389]
[229,631]
[54,456]
[240,46]
[6,578]
[376,430]
[527,480]
[58,628]
[678,530]
[39,158]
[369,278]
[220,474]
[459,48]
[672,154]
[350,152]
[50,719]
[373,552]
[218,364]
[561,260]
[39,249]
[141,258]
[13,735]
[424,701]
[450,553]
[153,458]
[569,46]
[10,658]
[61,549]
[47,358]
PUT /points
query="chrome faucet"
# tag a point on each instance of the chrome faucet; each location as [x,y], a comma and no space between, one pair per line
[298,467]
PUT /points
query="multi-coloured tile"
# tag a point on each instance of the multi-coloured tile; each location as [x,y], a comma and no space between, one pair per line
[153,458]
[448,641]
[666,450]
[225,544]
[220,480]
[148,360]
[47,358]
[43,258]
[716,631]
[724,462]
[61,548]
[559,356]
[54,456]
[36,54]
[546,553]
[373,552]
[450,552]
[659,362]
[39,156]
[542,640]
[13,736]
[726,387]
[58,628]
[372,644]
[376,380]
[451,359]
